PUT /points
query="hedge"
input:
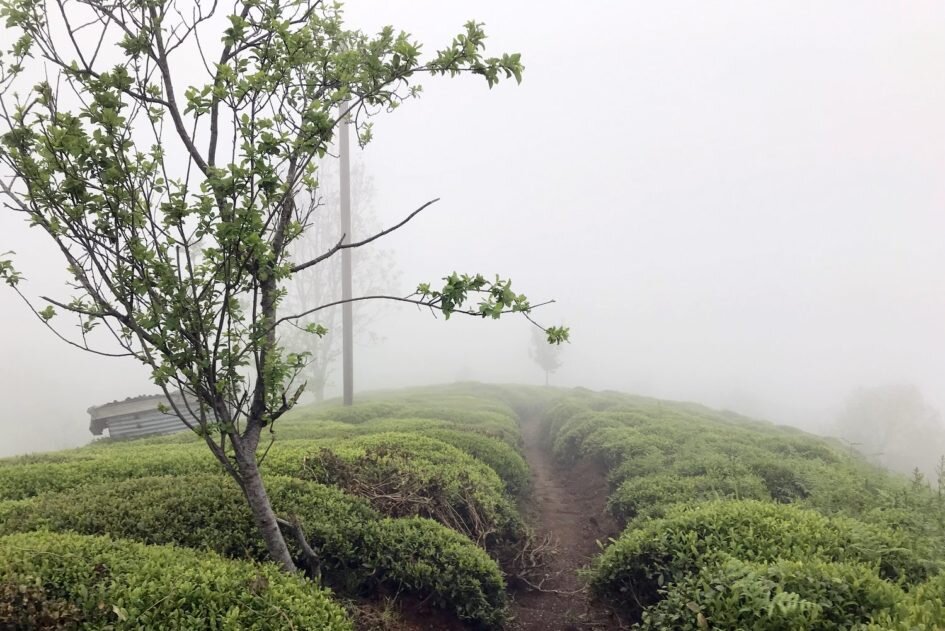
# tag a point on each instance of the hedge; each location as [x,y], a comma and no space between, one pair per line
[504,460]
[773,597]
[359,550]
[657,552]
[407,474]
[68,580]
[26,480]
[923,609]
[653,495]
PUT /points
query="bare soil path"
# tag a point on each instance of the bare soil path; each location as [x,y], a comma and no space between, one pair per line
[569,504]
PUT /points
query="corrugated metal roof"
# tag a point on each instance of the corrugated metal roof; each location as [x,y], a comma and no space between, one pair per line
[134,417]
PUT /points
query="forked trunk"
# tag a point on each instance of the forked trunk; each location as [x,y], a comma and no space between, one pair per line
[263,515]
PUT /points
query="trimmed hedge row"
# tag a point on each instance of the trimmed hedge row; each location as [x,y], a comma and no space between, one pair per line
[659,552]
[457,454]
[27,476]
[651,496]
[67,581]
[740,524]
[359,550]
[504,460]
[490,449]
[90,467]
[368,418]
[775,596]
[644,444]
[408,474]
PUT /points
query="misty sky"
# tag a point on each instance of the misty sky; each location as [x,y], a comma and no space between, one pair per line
[738,203]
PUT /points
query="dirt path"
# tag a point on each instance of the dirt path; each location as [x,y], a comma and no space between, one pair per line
[570,504]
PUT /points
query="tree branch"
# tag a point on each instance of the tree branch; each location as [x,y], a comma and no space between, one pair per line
[429,303]
[341,245]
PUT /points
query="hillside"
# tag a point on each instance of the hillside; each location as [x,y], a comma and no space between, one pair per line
[476,506]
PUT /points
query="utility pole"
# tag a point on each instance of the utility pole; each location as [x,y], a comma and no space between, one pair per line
[347,340]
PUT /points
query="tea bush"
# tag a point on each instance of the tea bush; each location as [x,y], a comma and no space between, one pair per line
[357,548]
[419,556]
[653,495]
[774,596]
[922,609]
[490,449]
[654,553]
[638,438]
[696,554]
[407,474]
[104,583]
[26,480]
[504,460]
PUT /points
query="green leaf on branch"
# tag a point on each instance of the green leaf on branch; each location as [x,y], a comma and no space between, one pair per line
[8,273]
[316,329]
[558,334]
[48,313]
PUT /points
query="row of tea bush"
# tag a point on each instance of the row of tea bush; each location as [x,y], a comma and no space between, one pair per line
[405,494]
[735,523]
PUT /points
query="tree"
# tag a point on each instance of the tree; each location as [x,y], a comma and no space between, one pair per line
[375,273]
[547,356]
[895,426]
[165,150]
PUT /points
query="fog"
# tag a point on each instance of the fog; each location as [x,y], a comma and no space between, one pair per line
[736,203]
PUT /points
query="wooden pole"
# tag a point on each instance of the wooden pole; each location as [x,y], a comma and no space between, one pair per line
[347,318]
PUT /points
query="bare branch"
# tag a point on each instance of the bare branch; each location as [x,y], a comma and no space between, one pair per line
[341,245]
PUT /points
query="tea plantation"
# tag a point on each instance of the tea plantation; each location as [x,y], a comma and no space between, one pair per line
[731,523]
[417,497]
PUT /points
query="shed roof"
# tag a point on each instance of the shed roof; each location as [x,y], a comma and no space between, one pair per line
[100,415]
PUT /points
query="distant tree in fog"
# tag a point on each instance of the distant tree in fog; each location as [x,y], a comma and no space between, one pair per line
[548,357]
[375,272]
[894,426]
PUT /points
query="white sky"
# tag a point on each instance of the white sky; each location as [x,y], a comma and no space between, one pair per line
[741,203]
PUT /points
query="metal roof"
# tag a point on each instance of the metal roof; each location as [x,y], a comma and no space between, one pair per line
[134,417]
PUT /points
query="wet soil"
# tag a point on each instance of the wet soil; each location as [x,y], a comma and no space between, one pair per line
[569,503]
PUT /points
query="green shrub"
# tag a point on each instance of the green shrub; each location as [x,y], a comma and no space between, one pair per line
[406,474]
[571,434]
[200,511]
[560,413]
[26,480]
[653,495]
[657,552]
[614,445]
[807,447]
[648,461]
[361,412]
[106,583]
[923,609]
[504,460]
[321,429]
[359,551]
[440,564]
[490,449]
[464,412]
[784,483]
[772,597]
[635,438]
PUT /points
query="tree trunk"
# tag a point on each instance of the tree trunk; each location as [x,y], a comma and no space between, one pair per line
[263,515]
